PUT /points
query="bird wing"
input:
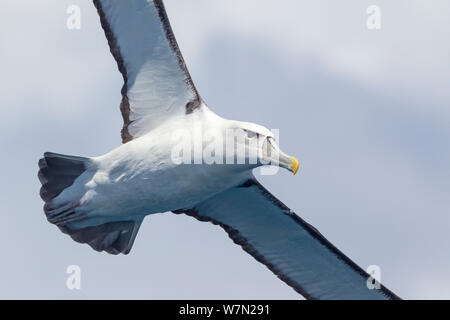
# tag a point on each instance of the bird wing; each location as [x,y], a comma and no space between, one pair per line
[290,247]
[157,83]
[113,237]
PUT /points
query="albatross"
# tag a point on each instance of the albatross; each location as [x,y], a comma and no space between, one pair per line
[102,201]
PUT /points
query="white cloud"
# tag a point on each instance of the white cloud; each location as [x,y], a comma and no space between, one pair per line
[411,49]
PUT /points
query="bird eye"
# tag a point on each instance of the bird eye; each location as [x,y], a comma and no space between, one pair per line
[251,134]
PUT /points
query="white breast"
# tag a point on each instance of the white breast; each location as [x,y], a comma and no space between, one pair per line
[141,176]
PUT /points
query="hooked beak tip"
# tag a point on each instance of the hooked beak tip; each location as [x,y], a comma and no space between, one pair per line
[295,165]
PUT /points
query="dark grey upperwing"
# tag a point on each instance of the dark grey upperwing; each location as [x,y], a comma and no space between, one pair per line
[157,82]
[291,248]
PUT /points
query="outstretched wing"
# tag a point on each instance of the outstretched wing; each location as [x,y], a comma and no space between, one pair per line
[157,82]
[291,248]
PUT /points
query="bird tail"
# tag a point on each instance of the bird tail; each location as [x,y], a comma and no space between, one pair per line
[57,173]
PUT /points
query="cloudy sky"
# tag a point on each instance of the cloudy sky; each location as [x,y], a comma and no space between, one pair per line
[366,112]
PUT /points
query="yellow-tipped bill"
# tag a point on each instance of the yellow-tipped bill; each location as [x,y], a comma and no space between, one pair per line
[273,155]
[295,165]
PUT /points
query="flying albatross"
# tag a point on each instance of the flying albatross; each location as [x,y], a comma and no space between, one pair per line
[102,201]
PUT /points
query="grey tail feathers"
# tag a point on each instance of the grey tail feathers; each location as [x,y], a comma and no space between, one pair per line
[58,172]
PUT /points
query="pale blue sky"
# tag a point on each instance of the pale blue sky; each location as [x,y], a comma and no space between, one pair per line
[366,112]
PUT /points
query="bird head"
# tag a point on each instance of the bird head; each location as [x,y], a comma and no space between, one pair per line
[256,146]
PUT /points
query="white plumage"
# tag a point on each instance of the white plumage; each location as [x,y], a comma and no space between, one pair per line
[102,201]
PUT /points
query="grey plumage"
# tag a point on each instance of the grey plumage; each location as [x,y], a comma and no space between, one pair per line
[57,172]
[114,237]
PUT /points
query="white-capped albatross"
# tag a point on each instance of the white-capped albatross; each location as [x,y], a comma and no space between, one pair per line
[103,200]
